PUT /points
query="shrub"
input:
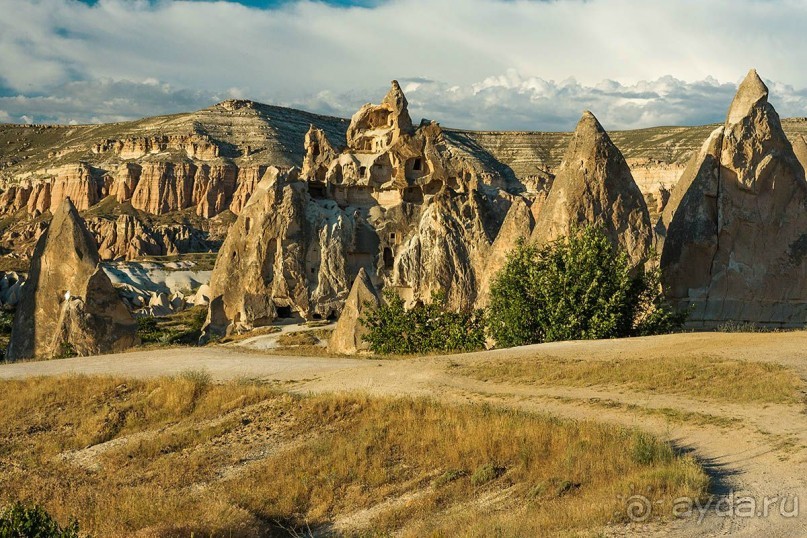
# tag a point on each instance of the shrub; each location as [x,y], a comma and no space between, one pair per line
[578,287]
[182,328]
[24,521]
[422,329]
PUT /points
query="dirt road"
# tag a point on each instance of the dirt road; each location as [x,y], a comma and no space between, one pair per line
[753,450]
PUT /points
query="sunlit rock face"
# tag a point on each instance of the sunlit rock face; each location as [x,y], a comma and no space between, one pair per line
[594,187]
[734,233]
[397,202]
[68,304]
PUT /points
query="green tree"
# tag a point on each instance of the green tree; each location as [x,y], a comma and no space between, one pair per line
[422,329]
[24,521]
[576,288]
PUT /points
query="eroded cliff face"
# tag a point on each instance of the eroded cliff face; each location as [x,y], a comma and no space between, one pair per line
[735,231]
[415,214]
[207,162]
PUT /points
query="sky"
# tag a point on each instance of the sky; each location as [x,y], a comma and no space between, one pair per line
[477,64]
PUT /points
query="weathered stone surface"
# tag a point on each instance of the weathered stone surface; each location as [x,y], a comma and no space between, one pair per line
[164,187]
[348,336]
[594,186]
[260,267]
[736,227]
[448,253]
[687,230]
[517,225]
[68,304]
[398,203]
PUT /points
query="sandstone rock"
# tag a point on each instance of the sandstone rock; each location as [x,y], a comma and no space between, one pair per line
[373,125]
[594,186]
[687,230]
[448,253]
[517,225]
[800,149]
[126,178]
[248,178]
[202,296]
[260,267]
[397,202]
[164,187]
[736,225]
[347,337]
[68,302]
[213,188]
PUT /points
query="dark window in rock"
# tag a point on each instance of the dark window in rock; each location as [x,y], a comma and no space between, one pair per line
[315,149]
[392,237]
[283,311]
[418,165]
[246,225]
[413,195]
[317,191]
[313,270]
[362,171]
[389,259]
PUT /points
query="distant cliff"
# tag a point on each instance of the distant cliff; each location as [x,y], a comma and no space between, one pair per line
[173,184]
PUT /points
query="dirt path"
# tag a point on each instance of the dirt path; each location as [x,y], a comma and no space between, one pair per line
[750,449]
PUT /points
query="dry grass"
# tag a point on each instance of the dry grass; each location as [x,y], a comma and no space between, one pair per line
[177,456]
[703,377]
[298,338]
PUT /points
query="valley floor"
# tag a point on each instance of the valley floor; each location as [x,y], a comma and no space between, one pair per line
[734,401]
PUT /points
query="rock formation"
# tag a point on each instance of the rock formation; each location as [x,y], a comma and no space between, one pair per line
[68,304]
[207,162]
[347,337]
[735,229]
[397,202]
[594,186]
[518,225]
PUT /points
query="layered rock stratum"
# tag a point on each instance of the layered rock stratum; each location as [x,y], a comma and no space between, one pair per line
[68,304]
[415,207]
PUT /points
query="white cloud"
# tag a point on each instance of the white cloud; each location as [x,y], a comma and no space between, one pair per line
[105,101]
[501,57]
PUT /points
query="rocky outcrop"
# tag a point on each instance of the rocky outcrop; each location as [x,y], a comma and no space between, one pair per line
[447,253]
[397,202]
[594,186]
[164,187]
[735,229]
[260,267]
[687,229]
[517,226]
[248,178]
[68,305]
[136,147]
[348,336]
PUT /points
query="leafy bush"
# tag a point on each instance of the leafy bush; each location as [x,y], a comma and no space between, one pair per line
[578,287]
[6,321]
[423,328]
[24,521]
[183,328]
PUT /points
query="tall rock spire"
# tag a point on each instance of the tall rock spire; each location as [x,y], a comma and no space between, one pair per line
[68,304]
[744,197]
[594,186]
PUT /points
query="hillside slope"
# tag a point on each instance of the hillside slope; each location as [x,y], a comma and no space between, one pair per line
[172,184]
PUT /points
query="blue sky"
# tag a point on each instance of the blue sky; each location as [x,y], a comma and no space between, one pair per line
[482,64]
